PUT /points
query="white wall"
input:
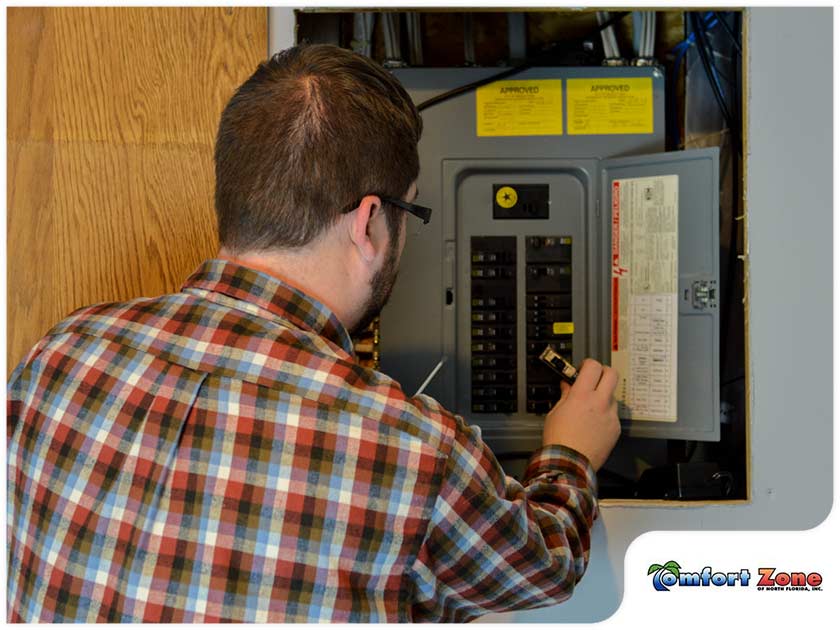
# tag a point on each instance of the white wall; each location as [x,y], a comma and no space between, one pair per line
[281,28]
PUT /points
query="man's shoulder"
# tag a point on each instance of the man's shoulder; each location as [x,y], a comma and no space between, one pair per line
[420,417]
[194,332]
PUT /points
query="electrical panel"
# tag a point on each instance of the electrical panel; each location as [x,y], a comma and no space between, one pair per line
[520,254]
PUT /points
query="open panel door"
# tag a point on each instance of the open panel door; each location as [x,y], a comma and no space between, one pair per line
[661,231]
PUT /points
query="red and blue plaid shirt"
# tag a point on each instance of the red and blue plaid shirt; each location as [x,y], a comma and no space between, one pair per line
[219,455]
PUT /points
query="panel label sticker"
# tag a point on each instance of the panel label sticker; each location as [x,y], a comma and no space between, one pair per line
[520,108]
[610,106]
[645,309]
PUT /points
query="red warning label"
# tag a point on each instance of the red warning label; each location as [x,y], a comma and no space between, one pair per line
[615,314]
[616,250]
[616,216]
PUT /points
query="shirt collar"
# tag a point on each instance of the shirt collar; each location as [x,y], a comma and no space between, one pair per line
[271,294]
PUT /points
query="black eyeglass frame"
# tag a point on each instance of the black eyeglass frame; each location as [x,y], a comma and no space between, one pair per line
[421,212]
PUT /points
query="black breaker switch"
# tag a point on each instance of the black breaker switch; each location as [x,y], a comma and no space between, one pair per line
[548,314]
[493,330]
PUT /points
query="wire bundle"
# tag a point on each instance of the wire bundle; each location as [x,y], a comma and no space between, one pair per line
[415,41]
[391,36]
[544,56]
[611,50]
[644,33]
[697,36]
[362,33]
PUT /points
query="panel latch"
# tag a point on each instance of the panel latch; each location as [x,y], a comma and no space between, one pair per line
[704,294]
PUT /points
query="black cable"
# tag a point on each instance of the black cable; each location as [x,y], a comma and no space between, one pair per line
[729,31]
[702,46]
[472,86]
[521,67]
[703,49]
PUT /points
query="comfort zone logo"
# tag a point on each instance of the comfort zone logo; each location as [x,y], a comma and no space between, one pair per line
[670,574]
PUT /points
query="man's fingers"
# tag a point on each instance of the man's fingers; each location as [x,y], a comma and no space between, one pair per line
[564,389]
[588,375]
[609,379]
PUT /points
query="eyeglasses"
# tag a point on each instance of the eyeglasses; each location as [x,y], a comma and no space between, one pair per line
[422,212]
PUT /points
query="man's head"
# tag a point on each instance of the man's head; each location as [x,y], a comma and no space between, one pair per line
[314,132]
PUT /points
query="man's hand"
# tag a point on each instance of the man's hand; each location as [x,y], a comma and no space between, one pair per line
[586,418]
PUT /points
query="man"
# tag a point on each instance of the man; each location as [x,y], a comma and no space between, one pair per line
[219,455]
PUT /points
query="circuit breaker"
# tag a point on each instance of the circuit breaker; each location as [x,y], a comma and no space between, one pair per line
[577,233]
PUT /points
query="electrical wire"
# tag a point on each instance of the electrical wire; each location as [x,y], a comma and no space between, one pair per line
[637,33]
[709,22]
[729,32]
[611,50]
[391,36]
[610,31]
[710,56]
[702,45]
[546,54]
[652,35]
[469,40]
[415,39]
[387,39]
[471,86]
[680,50]
[605,40]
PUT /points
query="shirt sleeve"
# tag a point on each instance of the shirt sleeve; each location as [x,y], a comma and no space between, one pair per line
[14,388]
[494,544]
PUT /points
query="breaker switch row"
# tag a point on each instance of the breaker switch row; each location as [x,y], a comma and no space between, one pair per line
[548,315]
[493,331]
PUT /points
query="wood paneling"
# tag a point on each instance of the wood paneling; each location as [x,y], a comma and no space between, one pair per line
[112,114]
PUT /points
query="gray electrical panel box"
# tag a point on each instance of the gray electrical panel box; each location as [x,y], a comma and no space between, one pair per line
[519,254]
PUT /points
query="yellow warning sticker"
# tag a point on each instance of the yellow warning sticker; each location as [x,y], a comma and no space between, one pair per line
[563,328]
[609,106]
[520,108]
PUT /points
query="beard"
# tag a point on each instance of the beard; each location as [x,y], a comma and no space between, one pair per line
[381,285]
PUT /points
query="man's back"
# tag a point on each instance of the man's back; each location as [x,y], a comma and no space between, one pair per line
[217,454]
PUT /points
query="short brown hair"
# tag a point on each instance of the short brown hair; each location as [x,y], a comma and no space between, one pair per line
[313,130]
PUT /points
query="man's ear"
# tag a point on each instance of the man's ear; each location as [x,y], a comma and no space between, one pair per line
[359,226]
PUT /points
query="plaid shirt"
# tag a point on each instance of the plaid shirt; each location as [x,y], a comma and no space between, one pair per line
[218,455]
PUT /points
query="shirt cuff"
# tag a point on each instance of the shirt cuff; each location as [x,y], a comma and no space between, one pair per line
[556,462]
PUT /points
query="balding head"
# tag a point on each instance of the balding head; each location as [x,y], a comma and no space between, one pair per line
[312,131]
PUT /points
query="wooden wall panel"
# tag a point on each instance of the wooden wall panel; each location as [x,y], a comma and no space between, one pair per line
[112,114]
